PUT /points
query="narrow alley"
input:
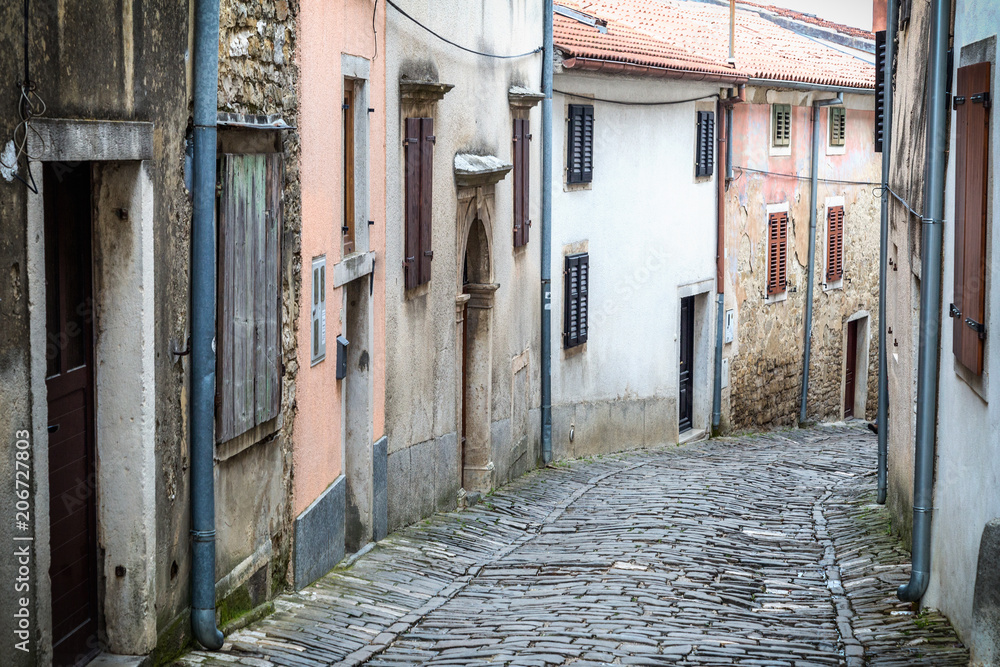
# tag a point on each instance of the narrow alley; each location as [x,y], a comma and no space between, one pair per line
[752,550]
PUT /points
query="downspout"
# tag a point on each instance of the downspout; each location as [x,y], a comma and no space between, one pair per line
[930,303]
[547,57]
[883,365]
[202,406]
[811,278]
[725,151]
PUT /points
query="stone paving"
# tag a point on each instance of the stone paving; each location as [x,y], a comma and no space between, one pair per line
[755,550]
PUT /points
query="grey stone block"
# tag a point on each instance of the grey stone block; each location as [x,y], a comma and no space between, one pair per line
[660,426]
[501,451]
[422,474]
[563,416]
[398,487]
[380,484]
[319,535]
[448,472]
[594,432]
[628,422]
[986,599]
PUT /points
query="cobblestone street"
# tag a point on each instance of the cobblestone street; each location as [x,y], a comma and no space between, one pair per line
[756,550]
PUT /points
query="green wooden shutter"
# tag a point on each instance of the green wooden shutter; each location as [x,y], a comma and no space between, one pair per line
[781,124]
[576,283]
[580,144]
[704,159]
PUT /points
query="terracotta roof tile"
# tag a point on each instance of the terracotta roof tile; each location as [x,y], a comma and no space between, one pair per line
[692,38]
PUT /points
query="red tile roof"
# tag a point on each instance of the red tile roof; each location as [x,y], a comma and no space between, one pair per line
[691,40]
[811,18]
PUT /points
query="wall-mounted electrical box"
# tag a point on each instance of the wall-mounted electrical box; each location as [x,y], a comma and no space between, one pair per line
[730,325]
[342,344]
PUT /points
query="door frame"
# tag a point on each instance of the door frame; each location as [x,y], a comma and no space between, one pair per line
[124,375]
[862,360]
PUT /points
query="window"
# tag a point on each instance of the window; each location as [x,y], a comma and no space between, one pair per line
[706,136]
[347,228]
[248,362]
[838,126]
[972,181]
[419,183]
[781,125]
[318,310]
[777,253]
[580,144]
[522,186]
[880,78]
[576,277]
[834,243]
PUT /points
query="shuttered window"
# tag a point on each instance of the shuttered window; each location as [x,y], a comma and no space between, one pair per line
[576,278]
[580,144]
[971,190]
[522,186]
[419,159]
[880,79]
[838,126]
[781,124]
[704,161]
[777,253]
[248,358]
[834,243]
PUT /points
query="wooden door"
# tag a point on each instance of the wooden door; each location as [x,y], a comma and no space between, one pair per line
[686,363]
[70,388]
[852,368]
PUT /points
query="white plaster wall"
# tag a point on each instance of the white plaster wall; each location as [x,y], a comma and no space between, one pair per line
[650,227]
[967,486]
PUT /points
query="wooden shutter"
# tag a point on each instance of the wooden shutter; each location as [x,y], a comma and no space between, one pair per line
[838,126]
[576,278]
[777,253]
[971,183]
[427,140]
[704,161]
[248,360]
[580,144]
[522,185]
[834,243]
[781,124]
[411,245]
[880,79]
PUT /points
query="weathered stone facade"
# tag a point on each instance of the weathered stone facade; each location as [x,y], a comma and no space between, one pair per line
[767,352]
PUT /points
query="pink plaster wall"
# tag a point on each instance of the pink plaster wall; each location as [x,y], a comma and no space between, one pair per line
[327,30]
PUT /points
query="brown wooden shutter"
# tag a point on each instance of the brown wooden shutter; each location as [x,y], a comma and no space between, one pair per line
[834,243]
[580,144]
[427,140]
[576,279]
[248,359]
[971,179]
[777,252]
[411,246]
[880,79]
[522,186]
[704,161]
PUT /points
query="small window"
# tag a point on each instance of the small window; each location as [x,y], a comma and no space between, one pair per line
[834,243]
[248,328]
[580,144]
[704,161]
[777,253]
[522,185]
[781,125]
[972,179]
[419,160]
[838,126]
[318,309]
[347,229]
[576,277]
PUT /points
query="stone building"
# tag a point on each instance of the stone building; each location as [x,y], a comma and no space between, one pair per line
[964,515]
[766,279]
[95,248]
[461,261]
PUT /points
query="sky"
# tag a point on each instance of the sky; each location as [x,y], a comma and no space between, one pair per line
[857,13]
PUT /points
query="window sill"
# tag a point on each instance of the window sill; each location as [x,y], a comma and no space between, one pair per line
[836,150]
[780,151]
[577,187]
[835,285]
[777,298]
[260,433]
[352,267]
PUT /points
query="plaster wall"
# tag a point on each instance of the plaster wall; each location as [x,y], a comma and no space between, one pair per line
[648,224]
[967,485]
[766,354]
[423,346]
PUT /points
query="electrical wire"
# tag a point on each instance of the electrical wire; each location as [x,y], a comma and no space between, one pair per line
[375,31]
[636,104]
[30,105]
[884,188]
[459,46]
[805,178]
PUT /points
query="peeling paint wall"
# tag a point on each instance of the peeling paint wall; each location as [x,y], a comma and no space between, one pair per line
[766,355]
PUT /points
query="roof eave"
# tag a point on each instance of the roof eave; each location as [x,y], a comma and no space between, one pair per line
[817,87]
[616,67]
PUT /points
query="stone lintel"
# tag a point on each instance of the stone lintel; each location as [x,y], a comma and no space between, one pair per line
[472,171]
[423,91]
[481,295]
[523,98]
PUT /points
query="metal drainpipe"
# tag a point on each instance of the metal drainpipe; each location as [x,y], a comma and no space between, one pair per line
[202,406]
[547,235]
[883,349]
[930,303]
[811,278]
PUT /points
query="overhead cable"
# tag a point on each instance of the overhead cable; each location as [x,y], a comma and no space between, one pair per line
[459,46]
